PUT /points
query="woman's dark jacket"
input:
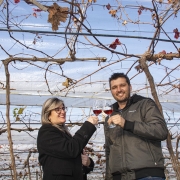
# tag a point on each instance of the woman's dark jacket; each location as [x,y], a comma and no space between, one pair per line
[135,151]
[60,154]
[87,170]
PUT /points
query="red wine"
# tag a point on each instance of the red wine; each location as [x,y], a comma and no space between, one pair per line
[109,111]
[97,112]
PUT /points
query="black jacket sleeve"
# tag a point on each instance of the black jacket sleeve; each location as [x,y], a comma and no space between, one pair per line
[51,141]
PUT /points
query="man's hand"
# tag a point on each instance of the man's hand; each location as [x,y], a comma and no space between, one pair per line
[117,120]
[85,159]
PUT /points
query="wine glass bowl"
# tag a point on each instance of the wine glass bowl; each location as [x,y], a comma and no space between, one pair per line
[107,107]
[97,111]
[108,111]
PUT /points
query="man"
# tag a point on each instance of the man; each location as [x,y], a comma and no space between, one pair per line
[133,146]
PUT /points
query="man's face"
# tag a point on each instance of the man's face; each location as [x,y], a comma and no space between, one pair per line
[120,90]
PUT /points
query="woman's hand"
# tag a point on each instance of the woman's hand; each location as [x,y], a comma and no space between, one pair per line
[93,120]
[85,159]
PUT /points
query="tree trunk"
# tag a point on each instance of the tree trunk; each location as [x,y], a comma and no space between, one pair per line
[13,165]
[174,160]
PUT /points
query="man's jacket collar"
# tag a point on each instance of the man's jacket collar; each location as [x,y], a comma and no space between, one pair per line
[133,99]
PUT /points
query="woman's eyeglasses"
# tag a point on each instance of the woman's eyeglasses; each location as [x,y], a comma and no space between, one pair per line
[59,110]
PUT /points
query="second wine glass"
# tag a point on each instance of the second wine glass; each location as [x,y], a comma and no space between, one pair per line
[108,109]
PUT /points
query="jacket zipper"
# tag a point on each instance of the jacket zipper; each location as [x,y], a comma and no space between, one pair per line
[155,163]
[123,153]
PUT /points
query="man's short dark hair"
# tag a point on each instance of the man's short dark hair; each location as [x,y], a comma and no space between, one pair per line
[119,75]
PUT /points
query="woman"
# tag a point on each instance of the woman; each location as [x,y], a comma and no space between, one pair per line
[59,152]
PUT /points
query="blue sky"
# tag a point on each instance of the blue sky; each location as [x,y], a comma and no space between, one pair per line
[30,79]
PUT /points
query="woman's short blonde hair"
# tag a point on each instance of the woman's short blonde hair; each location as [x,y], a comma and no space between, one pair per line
[47,107]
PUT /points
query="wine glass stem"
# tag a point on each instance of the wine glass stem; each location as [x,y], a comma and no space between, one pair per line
[97,125]
[112,125]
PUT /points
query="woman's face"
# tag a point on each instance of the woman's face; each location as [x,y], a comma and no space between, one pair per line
[58,115]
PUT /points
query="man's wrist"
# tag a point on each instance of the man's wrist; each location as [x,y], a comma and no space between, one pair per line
[129,126]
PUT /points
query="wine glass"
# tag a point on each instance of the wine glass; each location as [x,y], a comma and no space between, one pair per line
[98,107]
[108,109]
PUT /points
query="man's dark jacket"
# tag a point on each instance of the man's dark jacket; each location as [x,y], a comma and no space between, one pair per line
[60,154]
[135,151]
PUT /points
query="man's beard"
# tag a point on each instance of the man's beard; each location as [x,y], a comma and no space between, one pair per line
[125,99]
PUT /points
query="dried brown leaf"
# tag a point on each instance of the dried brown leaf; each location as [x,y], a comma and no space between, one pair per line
[68,82]
[57,14]
[90,1]
[113,12]
[138,68]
